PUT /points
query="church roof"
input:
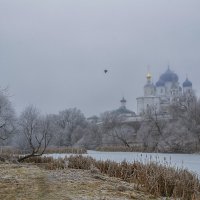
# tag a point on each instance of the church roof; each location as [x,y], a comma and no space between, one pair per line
[187,83]
[123,110]
[160,83]
[169,76]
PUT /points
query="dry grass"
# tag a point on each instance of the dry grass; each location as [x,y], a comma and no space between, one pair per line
[123,149]
[29,182]
[20,182]
[80,162]
[156,179]
[153,178]
[9,151]
[144,149]
[47,162]
[59,150]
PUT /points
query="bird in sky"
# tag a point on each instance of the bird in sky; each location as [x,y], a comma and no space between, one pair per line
[105,71]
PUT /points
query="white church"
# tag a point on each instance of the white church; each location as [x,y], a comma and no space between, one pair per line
[160,95]
[163,93]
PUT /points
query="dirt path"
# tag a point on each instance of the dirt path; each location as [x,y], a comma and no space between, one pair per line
[29,182]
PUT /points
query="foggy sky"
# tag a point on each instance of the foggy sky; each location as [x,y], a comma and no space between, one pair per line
[53,52]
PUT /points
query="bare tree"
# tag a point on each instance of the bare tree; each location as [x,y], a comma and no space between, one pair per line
[91,136]
[155,120]
[70,126]
[187,110]
[153,125]
[7,117]
[94,136]
[177,138]
[36,130]
[114,125]
[176,132]
[184,106]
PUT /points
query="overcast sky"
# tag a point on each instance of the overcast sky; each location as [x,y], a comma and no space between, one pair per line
[53,52]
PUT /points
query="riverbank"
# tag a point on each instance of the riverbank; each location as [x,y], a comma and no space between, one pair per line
[30,182]
[151,178]
[190,162]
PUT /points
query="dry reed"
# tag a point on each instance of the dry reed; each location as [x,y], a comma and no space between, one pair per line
[153,178]
[138,148]
[50,150]
[122,149]
[10,151]
[47,162]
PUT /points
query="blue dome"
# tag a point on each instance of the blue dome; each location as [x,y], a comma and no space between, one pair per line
[187,83]
[169,76]
[160,83]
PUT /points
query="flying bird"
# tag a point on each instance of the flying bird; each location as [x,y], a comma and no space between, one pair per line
[105,71]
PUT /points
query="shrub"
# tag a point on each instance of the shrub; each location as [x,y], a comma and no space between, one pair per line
[80,162]
[47,162]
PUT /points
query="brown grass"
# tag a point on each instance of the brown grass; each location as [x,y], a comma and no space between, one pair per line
[59,150]
[122,149]
[80,162]
[156,179]
[29,182]
[10,151]
[143,149]
[47,162]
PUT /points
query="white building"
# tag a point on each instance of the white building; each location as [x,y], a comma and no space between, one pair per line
[123,111]
[163,93]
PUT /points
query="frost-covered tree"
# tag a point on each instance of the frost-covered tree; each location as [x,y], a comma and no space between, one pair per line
[114,126]
[177,138]
[153,125]
[36,130]
[70,125]
[177,132]
[187,112]
[7,117]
